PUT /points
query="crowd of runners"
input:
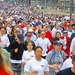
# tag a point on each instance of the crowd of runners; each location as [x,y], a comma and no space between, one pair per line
[40,43]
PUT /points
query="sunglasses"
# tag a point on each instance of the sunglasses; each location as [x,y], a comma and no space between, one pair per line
[42,34]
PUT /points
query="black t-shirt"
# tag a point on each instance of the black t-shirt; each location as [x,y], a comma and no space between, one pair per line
[66,72]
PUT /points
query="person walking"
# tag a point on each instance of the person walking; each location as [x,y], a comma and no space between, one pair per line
[29,54]
[55,58]
[16,50]
[44,43]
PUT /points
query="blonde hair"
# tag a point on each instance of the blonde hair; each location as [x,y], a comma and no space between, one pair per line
[3,63]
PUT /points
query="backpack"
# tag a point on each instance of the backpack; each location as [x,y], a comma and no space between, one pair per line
[54,53]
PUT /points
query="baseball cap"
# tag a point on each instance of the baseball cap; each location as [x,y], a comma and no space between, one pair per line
[21,37]
[57,43]
[37,23]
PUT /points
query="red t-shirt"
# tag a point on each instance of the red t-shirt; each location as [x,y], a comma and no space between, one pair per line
[2,72]
[49,36]
[22,26]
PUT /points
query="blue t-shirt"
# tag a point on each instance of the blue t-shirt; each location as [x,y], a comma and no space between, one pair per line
[66,72]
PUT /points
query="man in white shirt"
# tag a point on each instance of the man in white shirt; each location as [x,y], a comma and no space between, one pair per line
[44,43]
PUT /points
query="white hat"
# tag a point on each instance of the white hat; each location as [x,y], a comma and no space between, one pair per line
[65,31]
[67,17]
[30,30]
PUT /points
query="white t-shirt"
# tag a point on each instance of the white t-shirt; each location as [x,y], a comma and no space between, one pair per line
[54,30]
[8,30]
[25,30]
[72,45]
[44,43]
[5,41]
[40,66]
[67,63]
[27,56]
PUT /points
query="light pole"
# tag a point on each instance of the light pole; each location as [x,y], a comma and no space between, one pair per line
[71,8]
[45,6]
[45,3]
[64,4]
[29,2]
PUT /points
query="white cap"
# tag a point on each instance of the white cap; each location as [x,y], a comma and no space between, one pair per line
[30,30]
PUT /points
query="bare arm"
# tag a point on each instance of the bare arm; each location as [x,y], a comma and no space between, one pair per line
[30,73]
[55,66]
[46,73]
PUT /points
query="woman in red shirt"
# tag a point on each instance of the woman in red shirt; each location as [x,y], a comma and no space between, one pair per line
[4,68]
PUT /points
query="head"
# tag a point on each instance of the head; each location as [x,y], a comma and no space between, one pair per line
[20,38]
[15,32]
[65,33]
[5,23]
[70,27]
[73,26]
[18,30]
[73,55]
[58,34]
[46,27]
[3,30]
[30,45]
[42,34]
[38,51]
[57,45]
[28,35]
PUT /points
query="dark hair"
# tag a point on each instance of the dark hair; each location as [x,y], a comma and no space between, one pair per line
[37,48]
[3,28]
[39,31]
[57,33]
[73,57]
[73,24]
[30,42]
[55,39]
